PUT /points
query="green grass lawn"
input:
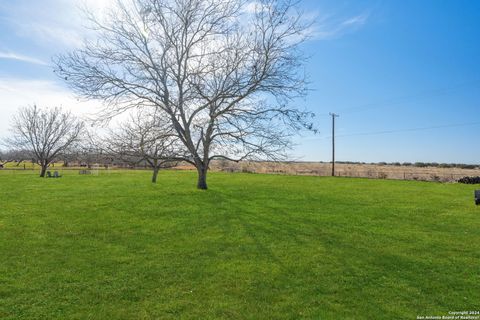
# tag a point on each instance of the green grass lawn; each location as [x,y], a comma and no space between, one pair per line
[115,246]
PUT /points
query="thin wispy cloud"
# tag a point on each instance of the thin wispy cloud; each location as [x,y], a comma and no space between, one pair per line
[22,58]
[49,33]
[322,25]
[328,27]
[356,21]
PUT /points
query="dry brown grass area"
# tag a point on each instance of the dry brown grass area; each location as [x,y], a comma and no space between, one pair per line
[349,170]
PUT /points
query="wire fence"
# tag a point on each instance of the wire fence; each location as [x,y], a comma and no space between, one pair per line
[375,172]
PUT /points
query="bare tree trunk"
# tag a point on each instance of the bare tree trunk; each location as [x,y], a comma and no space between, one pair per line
[202,177]
[155,174]
[43,171]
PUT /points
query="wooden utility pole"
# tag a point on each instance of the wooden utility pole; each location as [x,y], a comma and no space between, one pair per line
[333,141]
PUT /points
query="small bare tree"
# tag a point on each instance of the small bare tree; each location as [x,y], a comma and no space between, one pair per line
[223,73]
[4,159]
[146,137]
[15,156]
[45,133]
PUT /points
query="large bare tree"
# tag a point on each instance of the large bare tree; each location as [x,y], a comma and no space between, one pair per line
[44,133]
[148,138]
[224,73]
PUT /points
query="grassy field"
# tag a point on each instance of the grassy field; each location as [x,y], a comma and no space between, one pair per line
[115,246]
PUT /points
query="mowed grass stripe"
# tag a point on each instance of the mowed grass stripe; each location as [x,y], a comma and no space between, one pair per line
[251,247]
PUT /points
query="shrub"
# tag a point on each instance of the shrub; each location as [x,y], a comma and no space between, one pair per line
[469,180]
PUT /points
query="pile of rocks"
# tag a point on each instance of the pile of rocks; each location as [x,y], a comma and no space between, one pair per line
[469,180]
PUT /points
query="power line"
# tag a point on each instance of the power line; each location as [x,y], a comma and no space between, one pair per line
[407,98]
[411,129]
[404,130]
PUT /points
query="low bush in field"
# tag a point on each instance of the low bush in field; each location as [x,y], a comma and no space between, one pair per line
[469,180]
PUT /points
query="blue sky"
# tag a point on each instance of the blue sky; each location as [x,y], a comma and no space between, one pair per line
[401,66]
